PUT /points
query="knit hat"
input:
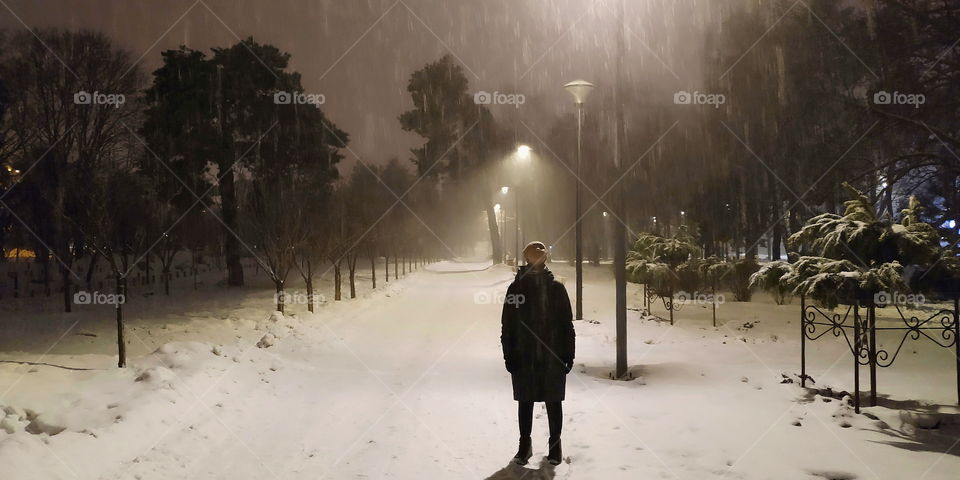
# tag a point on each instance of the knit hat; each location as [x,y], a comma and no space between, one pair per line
[535,252]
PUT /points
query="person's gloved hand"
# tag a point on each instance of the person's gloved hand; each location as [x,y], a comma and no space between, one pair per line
[568,364]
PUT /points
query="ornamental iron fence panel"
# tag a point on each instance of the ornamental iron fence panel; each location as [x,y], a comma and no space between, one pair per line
[858,327]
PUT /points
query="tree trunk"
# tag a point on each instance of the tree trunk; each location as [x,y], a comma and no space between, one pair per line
[231,244]
[352,265]
[166,279]
[498,256]
[386,268]
[373,270]
[336,281]
[278,284]
[309,281]
[121,298]
[193,266]
[43,258]
[396,274]
[67,288]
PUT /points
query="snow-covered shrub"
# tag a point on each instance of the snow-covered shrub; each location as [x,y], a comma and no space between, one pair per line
[861,237]
[853,256]
[770,279]
[654,260]
[738,279]
[689,275]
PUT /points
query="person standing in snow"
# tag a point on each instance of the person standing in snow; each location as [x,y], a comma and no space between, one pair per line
[538,347]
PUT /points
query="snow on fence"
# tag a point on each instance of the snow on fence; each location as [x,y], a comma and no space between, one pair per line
[942,328]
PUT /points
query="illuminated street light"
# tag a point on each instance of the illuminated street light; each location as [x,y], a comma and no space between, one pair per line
[580,89]
[504,190]
[523,152]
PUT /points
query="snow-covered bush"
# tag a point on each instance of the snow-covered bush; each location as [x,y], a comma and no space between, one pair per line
[739,278]
[655,260]
[853,256]
[770,279]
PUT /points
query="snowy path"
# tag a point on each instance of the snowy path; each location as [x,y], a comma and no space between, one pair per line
[408,383]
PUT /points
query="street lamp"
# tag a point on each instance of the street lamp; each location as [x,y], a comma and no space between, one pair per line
[580,89]
[523,152]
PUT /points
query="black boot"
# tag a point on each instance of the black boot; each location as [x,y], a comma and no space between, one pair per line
[524,452]
[556,455]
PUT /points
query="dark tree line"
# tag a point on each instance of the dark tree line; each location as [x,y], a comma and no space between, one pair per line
[101,164]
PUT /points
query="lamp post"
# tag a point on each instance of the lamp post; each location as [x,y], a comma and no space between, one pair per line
[580,89]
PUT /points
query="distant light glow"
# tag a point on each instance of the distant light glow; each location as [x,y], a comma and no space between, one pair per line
[523,151]
[604,214]
[504,190]
[496,208]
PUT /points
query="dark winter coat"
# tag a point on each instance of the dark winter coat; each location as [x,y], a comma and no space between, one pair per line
[537,336]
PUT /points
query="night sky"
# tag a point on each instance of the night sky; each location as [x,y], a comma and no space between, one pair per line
[359,54]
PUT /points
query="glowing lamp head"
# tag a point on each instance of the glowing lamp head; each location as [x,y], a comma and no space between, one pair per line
[504,190]
[580,89]
[523,151]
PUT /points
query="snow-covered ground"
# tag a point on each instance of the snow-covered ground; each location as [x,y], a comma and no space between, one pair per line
[408,382]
